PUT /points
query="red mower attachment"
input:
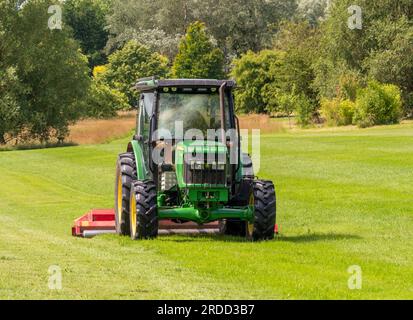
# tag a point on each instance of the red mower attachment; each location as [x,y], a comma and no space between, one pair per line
[102,221]
[95,222]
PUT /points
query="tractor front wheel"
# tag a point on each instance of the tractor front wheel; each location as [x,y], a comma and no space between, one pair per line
[125,175]
[143,210]
[264,200]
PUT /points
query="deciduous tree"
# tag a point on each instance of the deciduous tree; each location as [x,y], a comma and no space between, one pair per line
[130,63]
[197,56]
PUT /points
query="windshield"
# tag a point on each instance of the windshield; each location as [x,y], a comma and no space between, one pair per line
[195,110]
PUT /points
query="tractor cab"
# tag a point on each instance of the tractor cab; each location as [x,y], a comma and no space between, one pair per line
[195,120]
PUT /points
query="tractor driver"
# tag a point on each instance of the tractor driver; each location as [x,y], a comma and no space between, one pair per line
[187,108]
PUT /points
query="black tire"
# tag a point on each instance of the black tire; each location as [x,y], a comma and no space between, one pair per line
[125,175]
[143,210]
[265,211]
[236,227]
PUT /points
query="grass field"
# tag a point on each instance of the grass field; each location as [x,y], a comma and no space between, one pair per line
[345,197]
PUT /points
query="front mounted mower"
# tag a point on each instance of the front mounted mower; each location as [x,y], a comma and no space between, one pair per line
[184,168]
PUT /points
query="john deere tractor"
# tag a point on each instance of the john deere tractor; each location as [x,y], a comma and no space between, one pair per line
[185,164]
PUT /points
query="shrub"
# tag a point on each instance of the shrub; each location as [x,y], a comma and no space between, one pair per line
[305,110]
[104,102]
[329,111]
[254,73]
[378,104]
[346,112]
[10,90]
[337,112]
[129,64]
[348,83]
[286,102]
[99,70]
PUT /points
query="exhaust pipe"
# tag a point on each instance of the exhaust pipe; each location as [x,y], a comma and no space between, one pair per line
[222,108]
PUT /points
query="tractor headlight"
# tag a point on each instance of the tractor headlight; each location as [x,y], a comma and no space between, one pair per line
[218,166]
[197,165]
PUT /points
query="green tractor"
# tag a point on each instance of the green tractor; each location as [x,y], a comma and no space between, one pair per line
[185,164]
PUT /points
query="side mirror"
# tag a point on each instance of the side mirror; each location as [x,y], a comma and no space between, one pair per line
[139,103]
[138,137]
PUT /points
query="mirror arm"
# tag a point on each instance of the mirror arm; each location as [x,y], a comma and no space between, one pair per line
[222,107]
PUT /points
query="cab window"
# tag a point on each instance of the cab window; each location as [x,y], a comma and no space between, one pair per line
[145,112]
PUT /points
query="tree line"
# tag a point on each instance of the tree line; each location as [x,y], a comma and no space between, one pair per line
[297,58]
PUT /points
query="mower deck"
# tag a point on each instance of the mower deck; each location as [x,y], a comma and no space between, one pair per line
[102,221]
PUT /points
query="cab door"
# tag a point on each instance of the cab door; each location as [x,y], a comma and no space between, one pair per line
[145,112]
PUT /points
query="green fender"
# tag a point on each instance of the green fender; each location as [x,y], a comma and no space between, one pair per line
[141,169]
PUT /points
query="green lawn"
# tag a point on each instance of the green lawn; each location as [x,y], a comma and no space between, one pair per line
[345,197]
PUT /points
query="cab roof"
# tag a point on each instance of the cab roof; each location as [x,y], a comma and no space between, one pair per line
[151,84]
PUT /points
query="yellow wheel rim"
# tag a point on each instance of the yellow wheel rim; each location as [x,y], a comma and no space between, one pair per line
[119,200]
[250,226]
[132,211]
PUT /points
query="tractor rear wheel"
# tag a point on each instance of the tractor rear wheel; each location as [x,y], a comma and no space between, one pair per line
[264,200]
[143,210]
[125,175]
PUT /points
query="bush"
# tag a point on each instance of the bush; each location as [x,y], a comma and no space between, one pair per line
[348,83]
[378,104]
[286,103]
[99,70]
[10,90]
[255,73]
[126,66]
[305,110]
[346,112]
[337,112]
[104,102]
[393,63]
[329,111]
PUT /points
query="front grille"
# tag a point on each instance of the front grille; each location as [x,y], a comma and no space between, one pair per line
[208,175]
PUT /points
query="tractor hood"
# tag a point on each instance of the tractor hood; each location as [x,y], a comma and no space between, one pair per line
[201,164]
